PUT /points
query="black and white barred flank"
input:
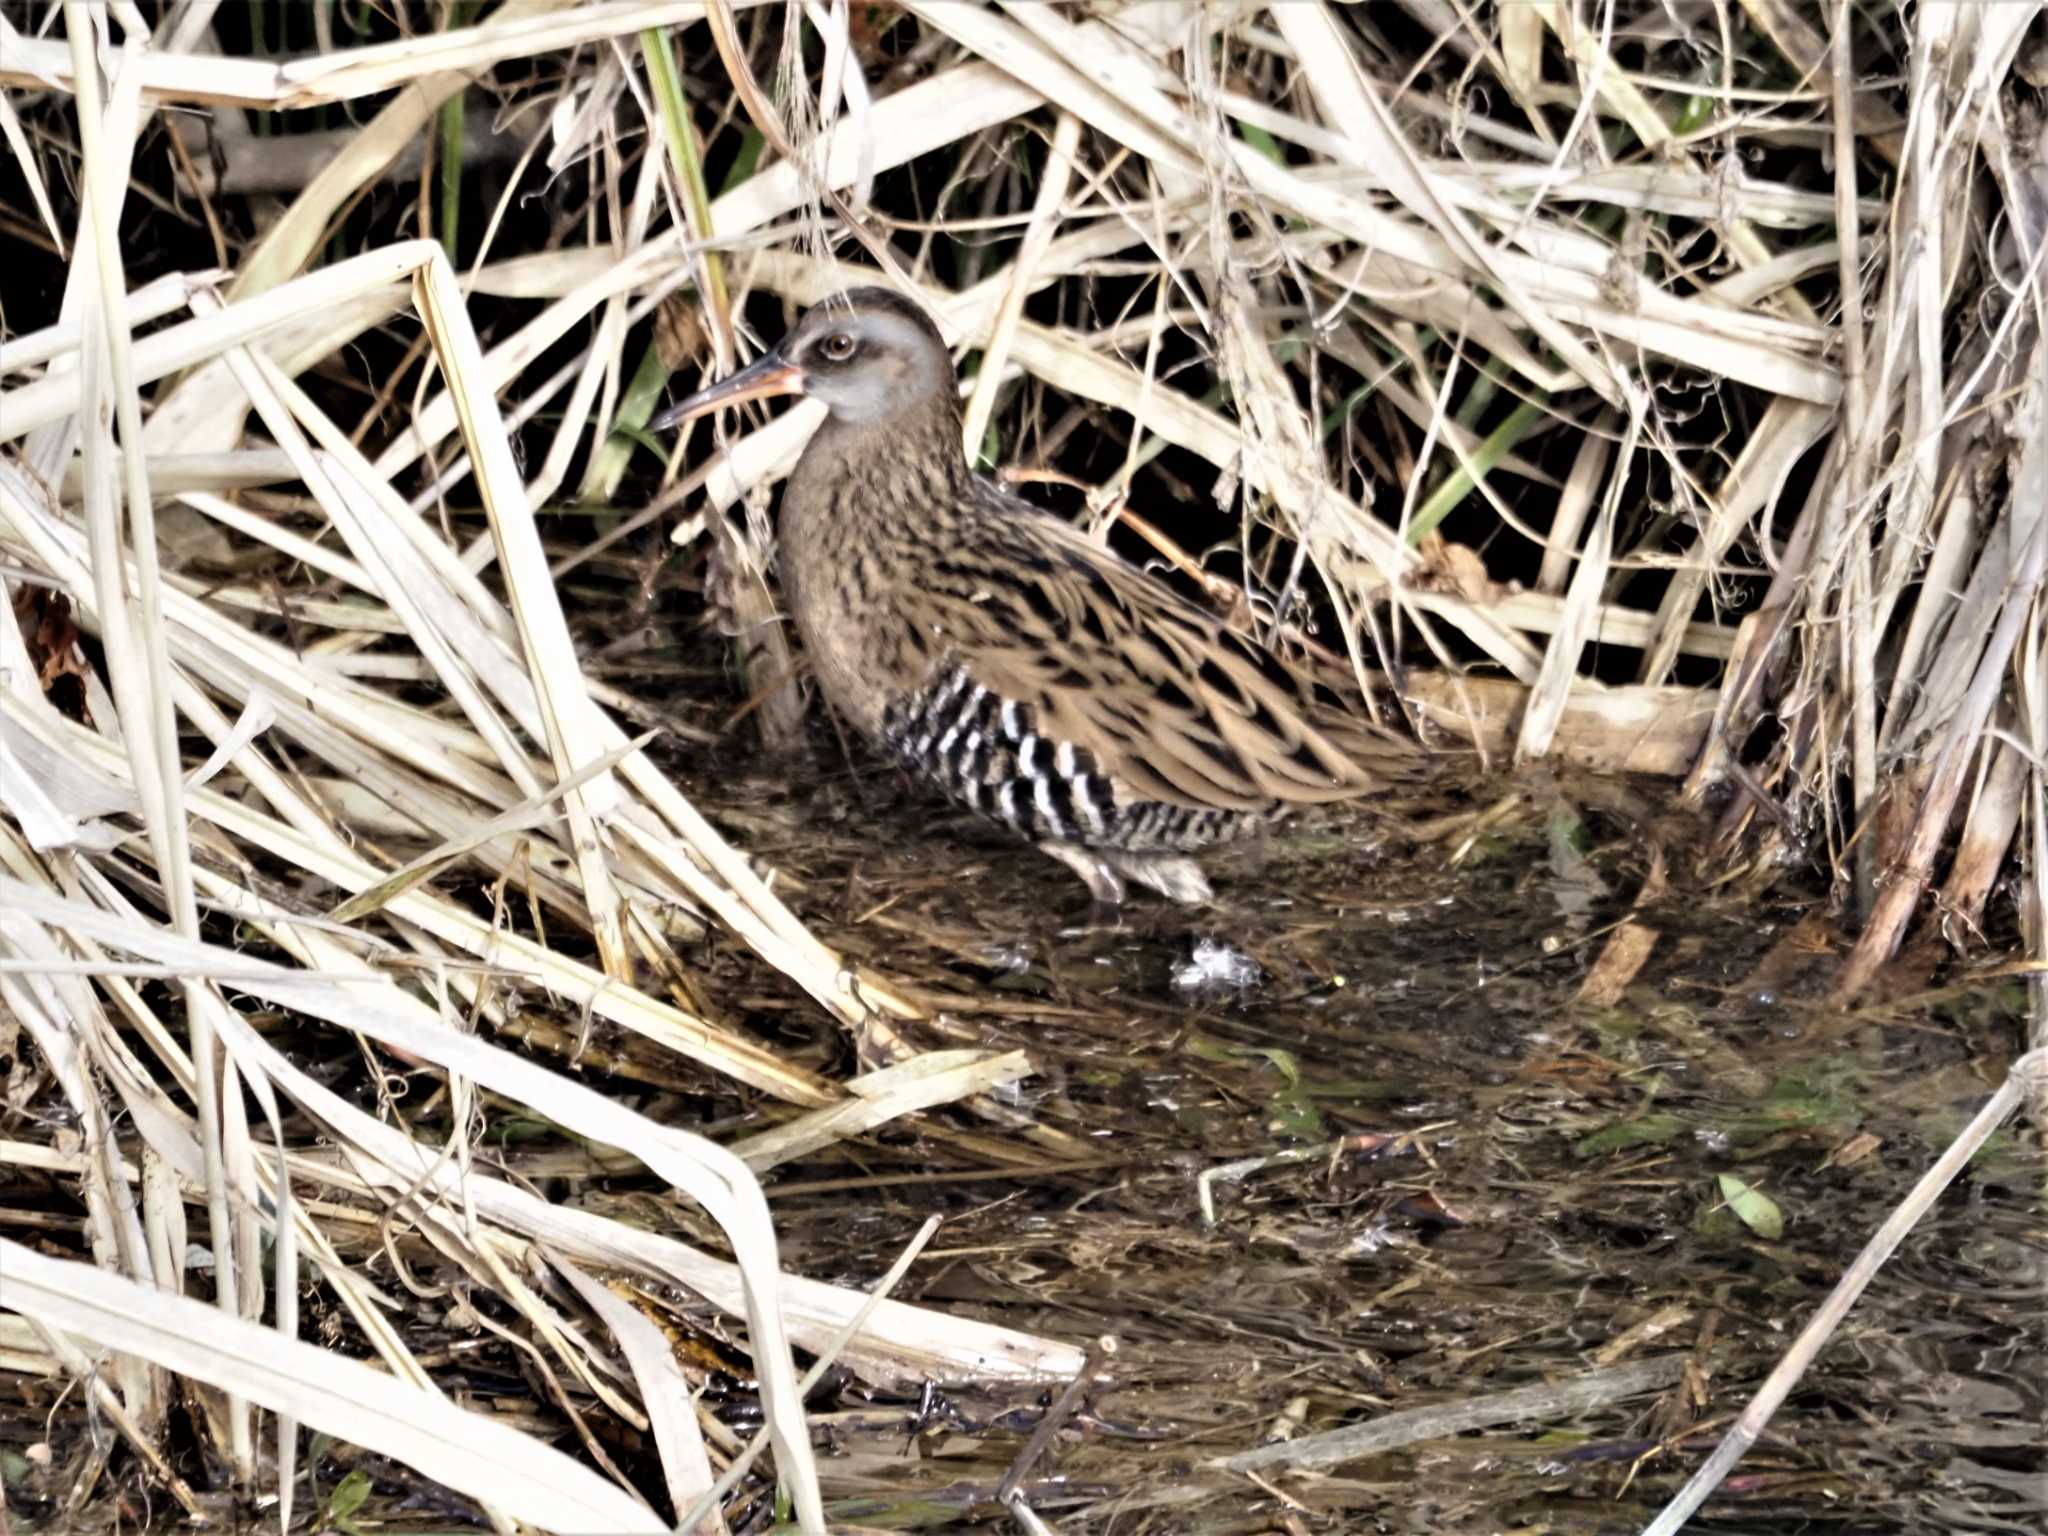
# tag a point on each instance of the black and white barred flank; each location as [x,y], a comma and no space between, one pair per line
[984,752]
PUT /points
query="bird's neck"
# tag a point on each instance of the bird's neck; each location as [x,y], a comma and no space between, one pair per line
[905,476]
[867,507]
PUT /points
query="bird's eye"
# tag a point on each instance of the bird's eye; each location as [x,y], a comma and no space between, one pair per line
[838,346]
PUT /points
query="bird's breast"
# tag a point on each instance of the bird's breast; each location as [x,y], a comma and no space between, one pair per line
[844,584]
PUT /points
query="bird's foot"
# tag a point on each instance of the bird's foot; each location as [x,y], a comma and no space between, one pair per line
[1103,882]
[1174,876]
[1105,869]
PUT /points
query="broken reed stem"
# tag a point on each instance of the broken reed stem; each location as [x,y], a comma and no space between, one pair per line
[2027,1075]
[1050,1421]
[830,1353]
[1523,1404]
[1901,895]
[138,665]
[1860,646]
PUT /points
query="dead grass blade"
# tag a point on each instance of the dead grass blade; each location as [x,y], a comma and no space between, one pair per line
[491,1462]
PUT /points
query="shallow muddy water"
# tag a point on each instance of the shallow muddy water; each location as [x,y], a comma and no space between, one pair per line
[1509,1186]
[1345,1145]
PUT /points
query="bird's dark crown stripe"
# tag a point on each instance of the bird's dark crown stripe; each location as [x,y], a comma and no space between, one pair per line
[875,299]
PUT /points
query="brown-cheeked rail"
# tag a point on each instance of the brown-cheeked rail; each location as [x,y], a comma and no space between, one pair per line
[997,653]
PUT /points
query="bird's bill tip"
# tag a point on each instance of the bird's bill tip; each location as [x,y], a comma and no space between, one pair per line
[770,376]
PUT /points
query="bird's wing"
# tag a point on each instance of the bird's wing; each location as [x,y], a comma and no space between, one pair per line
[1172,705]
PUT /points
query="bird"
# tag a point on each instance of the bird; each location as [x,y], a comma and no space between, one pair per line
[1001,655]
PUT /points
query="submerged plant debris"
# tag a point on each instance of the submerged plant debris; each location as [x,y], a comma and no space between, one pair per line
[1446,1180]
[1509,1188]
[1213,967]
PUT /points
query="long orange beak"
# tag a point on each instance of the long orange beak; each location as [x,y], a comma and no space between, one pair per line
[770,375]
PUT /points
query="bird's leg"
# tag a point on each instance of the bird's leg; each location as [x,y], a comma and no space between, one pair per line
[860,795]
[1103,882]
[1172,875]
[1105,869]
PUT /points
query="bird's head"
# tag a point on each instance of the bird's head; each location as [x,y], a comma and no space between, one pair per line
[871,356]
